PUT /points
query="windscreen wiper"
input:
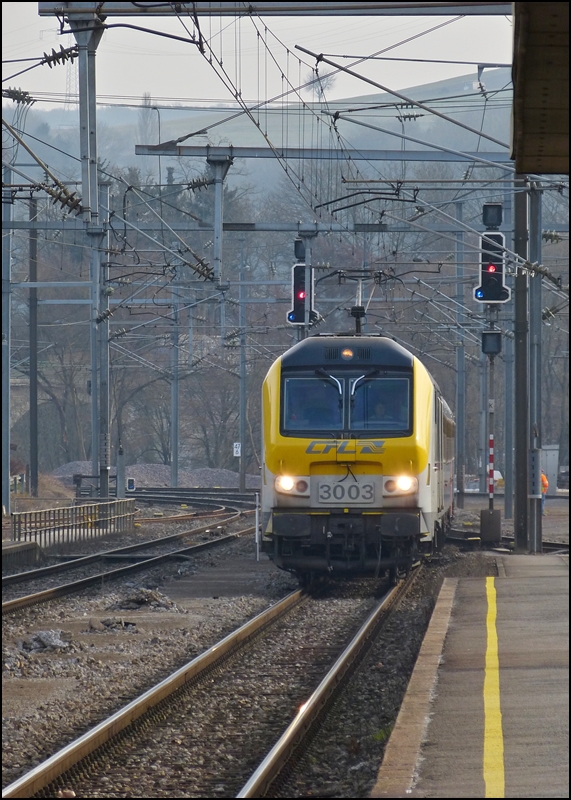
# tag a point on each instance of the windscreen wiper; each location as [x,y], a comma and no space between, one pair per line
[366,377]
[323,374]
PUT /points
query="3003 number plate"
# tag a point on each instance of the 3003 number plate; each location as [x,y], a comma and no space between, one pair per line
[344,493]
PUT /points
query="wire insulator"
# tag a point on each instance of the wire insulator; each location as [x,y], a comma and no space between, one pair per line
[61,56]
[18,96]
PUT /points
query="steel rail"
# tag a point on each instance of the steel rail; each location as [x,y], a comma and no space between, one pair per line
[42,775]
[189,499]
[183,517]
[158,515]
[70,588]
[194,489]
[282,751]
[195,496]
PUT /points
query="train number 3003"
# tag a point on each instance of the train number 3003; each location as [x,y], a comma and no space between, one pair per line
[346,493]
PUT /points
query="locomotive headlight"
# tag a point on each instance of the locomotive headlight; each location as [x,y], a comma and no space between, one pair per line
[286,484]
[400,485]
[405,483]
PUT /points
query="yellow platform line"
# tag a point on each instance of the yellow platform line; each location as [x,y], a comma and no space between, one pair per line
[493,766]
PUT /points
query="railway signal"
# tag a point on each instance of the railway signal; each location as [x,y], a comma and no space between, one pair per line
[300,296]
[299,249]
[492,288]
[492,244]
[491,342]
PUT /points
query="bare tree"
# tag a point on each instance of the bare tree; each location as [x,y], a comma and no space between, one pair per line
[320,84]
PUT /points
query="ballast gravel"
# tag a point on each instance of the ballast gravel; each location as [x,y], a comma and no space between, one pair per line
[70,663]
[346,752]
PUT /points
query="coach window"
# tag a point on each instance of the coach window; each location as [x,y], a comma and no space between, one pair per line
[312,404]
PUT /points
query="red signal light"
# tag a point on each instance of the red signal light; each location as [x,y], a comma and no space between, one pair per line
[301,295]
[491,267]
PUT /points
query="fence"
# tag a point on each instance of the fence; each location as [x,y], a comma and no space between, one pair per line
[63,526]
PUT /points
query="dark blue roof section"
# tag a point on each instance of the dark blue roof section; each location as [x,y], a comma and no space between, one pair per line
[327,351]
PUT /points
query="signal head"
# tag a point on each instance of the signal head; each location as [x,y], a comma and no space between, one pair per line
[492,288]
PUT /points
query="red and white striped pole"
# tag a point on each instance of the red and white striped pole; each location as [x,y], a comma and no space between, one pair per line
[491,472]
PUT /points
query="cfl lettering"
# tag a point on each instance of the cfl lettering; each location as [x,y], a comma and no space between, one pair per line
[324,447]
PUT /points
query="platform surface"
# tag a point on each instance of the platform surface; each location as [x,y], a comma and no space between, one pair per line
[487,709]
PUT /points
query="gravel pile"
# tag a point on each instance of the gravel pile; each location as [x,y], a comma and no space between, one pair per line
[159,475]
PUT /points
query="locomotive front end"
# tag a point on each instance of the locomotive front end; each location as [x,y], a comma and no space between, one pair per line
[345,456]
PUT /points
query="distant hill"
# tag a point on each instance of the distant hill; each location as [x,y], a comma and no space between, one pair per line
[119,128]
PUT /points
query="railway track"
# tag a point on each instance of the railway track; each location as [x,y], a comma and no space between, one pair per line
[196,497]
[472,539]
[207,727]
[141,562]
[547,546]
[210,501]
[19,577]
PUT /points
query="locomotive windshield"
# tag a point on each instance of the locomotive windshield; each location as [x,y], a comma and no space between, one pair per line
[346,404]
[313,404]
[380,404]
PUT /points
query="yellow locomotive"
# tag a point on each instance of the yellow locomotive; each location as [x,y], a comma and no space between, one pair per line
[358,458]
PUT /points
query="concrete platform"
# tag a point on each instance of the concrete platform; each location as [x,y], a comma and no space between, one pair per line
[486,713]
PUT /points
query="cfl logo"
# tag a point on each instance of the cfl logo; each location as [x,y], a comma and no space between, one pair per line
[367,446]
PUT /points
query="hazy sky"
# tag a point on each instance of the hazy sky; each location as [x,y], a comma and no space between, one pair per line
[130,63]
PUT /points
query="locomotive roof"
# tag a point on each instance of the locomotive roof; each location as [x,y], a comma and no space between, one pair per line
[326,349]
